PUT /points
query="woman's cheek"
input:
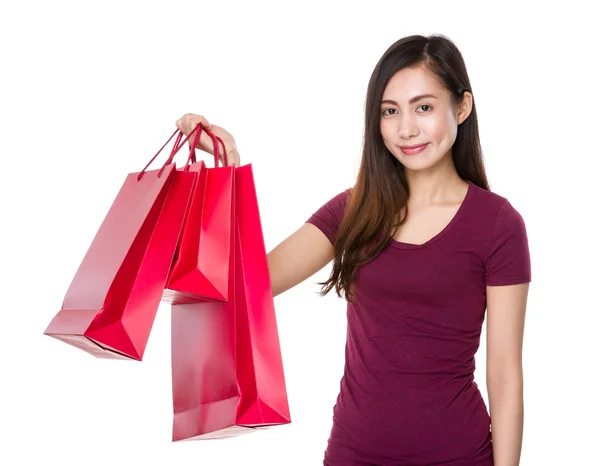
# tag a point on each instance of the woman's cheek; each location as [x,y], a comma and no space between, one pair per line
[434,129]
[388,131]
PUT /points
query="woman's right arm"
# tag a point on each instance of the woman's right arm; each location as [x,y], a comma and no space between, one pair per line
[298,257]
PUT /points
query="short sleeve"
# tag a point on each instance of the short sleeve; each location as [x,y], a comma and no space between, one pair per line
[329,216]
[508,261]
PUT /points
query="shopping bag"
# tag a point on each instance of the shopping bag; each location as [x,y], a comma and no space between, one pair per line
[110,306]
[227,371]
[200,270]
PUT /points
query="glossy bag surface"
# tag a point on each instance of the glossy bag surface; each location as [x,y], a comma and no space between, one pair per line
[110,306]
[227,371]
[201,267]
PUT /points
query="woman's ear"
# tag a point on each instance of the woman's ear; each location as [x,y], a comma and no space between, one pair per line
[464,107]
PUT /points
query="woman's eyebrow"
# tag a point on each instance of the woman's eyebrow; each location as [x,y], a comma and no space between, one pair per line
[411,101]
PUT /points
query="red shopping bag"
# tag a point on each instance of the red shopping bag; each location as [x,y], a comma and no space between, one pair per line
[200,270]
[111,304]
[227,371]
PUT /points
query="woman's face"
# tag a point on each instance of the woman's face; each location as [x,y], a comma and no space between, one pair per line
[406,121]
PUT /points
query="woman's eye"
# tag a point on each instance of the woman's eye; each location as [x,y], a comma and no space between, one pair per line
[420,106]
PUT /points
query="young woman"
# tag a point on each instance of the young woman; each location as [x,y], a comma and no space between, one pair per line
[420,248]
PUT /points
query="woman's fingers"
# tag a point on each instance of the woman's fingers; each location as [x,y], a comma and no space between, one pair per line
[188,122]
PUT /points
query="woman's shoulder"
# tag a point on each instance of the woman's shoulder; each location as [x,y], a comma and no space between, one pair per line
[488,201]
[329,216]
[496,213]
[339,201]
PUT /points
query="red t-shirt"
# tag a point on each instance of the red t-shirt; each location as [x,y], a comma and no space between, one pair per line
[408,395]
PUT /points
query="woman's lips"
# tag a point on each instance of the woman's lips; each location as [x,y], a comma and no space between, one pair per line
[414,150]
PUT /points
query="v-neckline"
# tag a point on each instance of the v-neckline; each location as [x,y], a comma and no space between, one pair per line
[446,229]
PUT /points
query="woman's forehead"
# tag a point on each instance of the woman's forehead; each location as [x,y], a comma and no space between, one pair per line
[409,83]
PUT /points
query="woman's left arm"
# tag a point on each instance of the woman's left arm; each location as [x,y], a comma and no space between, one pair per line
[504,369]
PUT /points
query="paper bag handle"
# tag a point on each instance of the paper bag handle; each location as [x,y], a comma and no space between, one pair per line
[170,159]
[215,139]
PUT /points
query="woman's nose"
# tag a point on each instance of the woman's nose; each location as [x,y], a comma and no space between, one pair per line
[407,127]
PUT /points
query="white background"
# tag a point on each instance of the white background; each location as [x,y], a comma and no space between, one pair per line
[89,92]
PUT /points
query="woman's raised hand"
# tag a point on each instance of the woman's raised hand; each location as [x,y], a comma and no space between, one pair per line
[189,121]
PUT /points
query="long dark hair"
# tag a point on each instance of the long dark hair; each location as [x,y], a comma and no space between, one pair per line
[381,190]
